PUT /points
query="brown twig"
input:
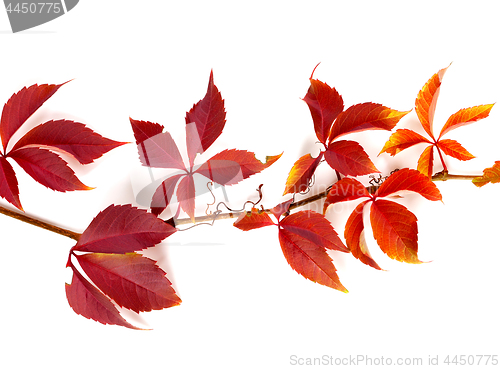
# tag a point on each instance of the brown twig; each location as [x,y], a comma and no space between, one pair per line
[40,223]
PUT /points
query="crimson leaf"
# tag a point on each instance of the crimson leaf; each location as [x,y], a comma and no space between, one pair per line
[122,229]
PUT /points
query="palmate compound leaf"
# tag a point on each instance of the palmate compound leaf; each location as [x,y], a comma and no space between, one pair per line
[425,106]
[130,279]
[490,175]
[33,151]
[394,227]
[330,122]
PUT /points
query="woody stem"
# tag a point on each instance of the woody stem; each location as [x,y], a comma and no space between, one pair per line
[40,223]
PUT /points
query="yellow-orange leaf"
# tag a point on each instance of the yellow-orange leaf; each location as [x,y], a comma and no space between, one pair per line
[425,104]
[466,116]
[425,161]
[490,175]
[301,173]
[454,149]
[402,139]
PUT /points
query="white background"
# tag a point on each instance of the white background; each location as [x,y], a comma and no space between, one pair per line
[243,306]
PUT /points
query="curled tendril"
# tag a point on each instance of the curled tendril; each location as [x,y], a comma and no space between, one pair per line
[213,196]
[259,190]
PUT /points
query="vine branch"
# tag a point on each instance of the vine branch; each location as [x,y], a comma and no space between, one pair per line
[440,176]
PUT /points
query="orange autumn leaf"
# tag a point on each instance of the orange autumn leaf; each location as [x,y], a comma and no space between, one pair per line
[425,106]
[490,175]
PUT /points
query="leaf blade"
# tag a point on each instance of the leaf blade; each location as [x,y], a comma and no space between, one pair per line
[355,238]
[401,140]
[9,189]
[490,175]
[466,116]
[346,189]
[425,104]
[48,169]
[144,129]
[454,149]
[131,280]
[349,158]
[301,173]
[395,230]
[361,117]
[21,106]
[325,104]
[232,166]
[209,116]
[71,137]
[252,220]
[89,302]
[308,258]
[160,151]
[122,229]
[409,180]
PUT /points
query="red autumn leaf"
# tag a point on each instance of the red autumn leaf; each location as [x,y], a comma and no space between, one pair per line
[9,189]
[209,116]
[301,173]
[71,137]
[252,220]
[47,168]
[402,139]
[409,180]
[454,149]
[232,166]
[355,236]
[315,228]
[304,236]
[466,116]
[160,151]
[490,175]
[131,280]
[88,301]
[365,116]
[163,194]
[281,209]
[144,130]
[425,104]
[395,230]
[346,189]
[33,151]
[21,106]
[325,104]
[186,194]
[349,158]
[122,229]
